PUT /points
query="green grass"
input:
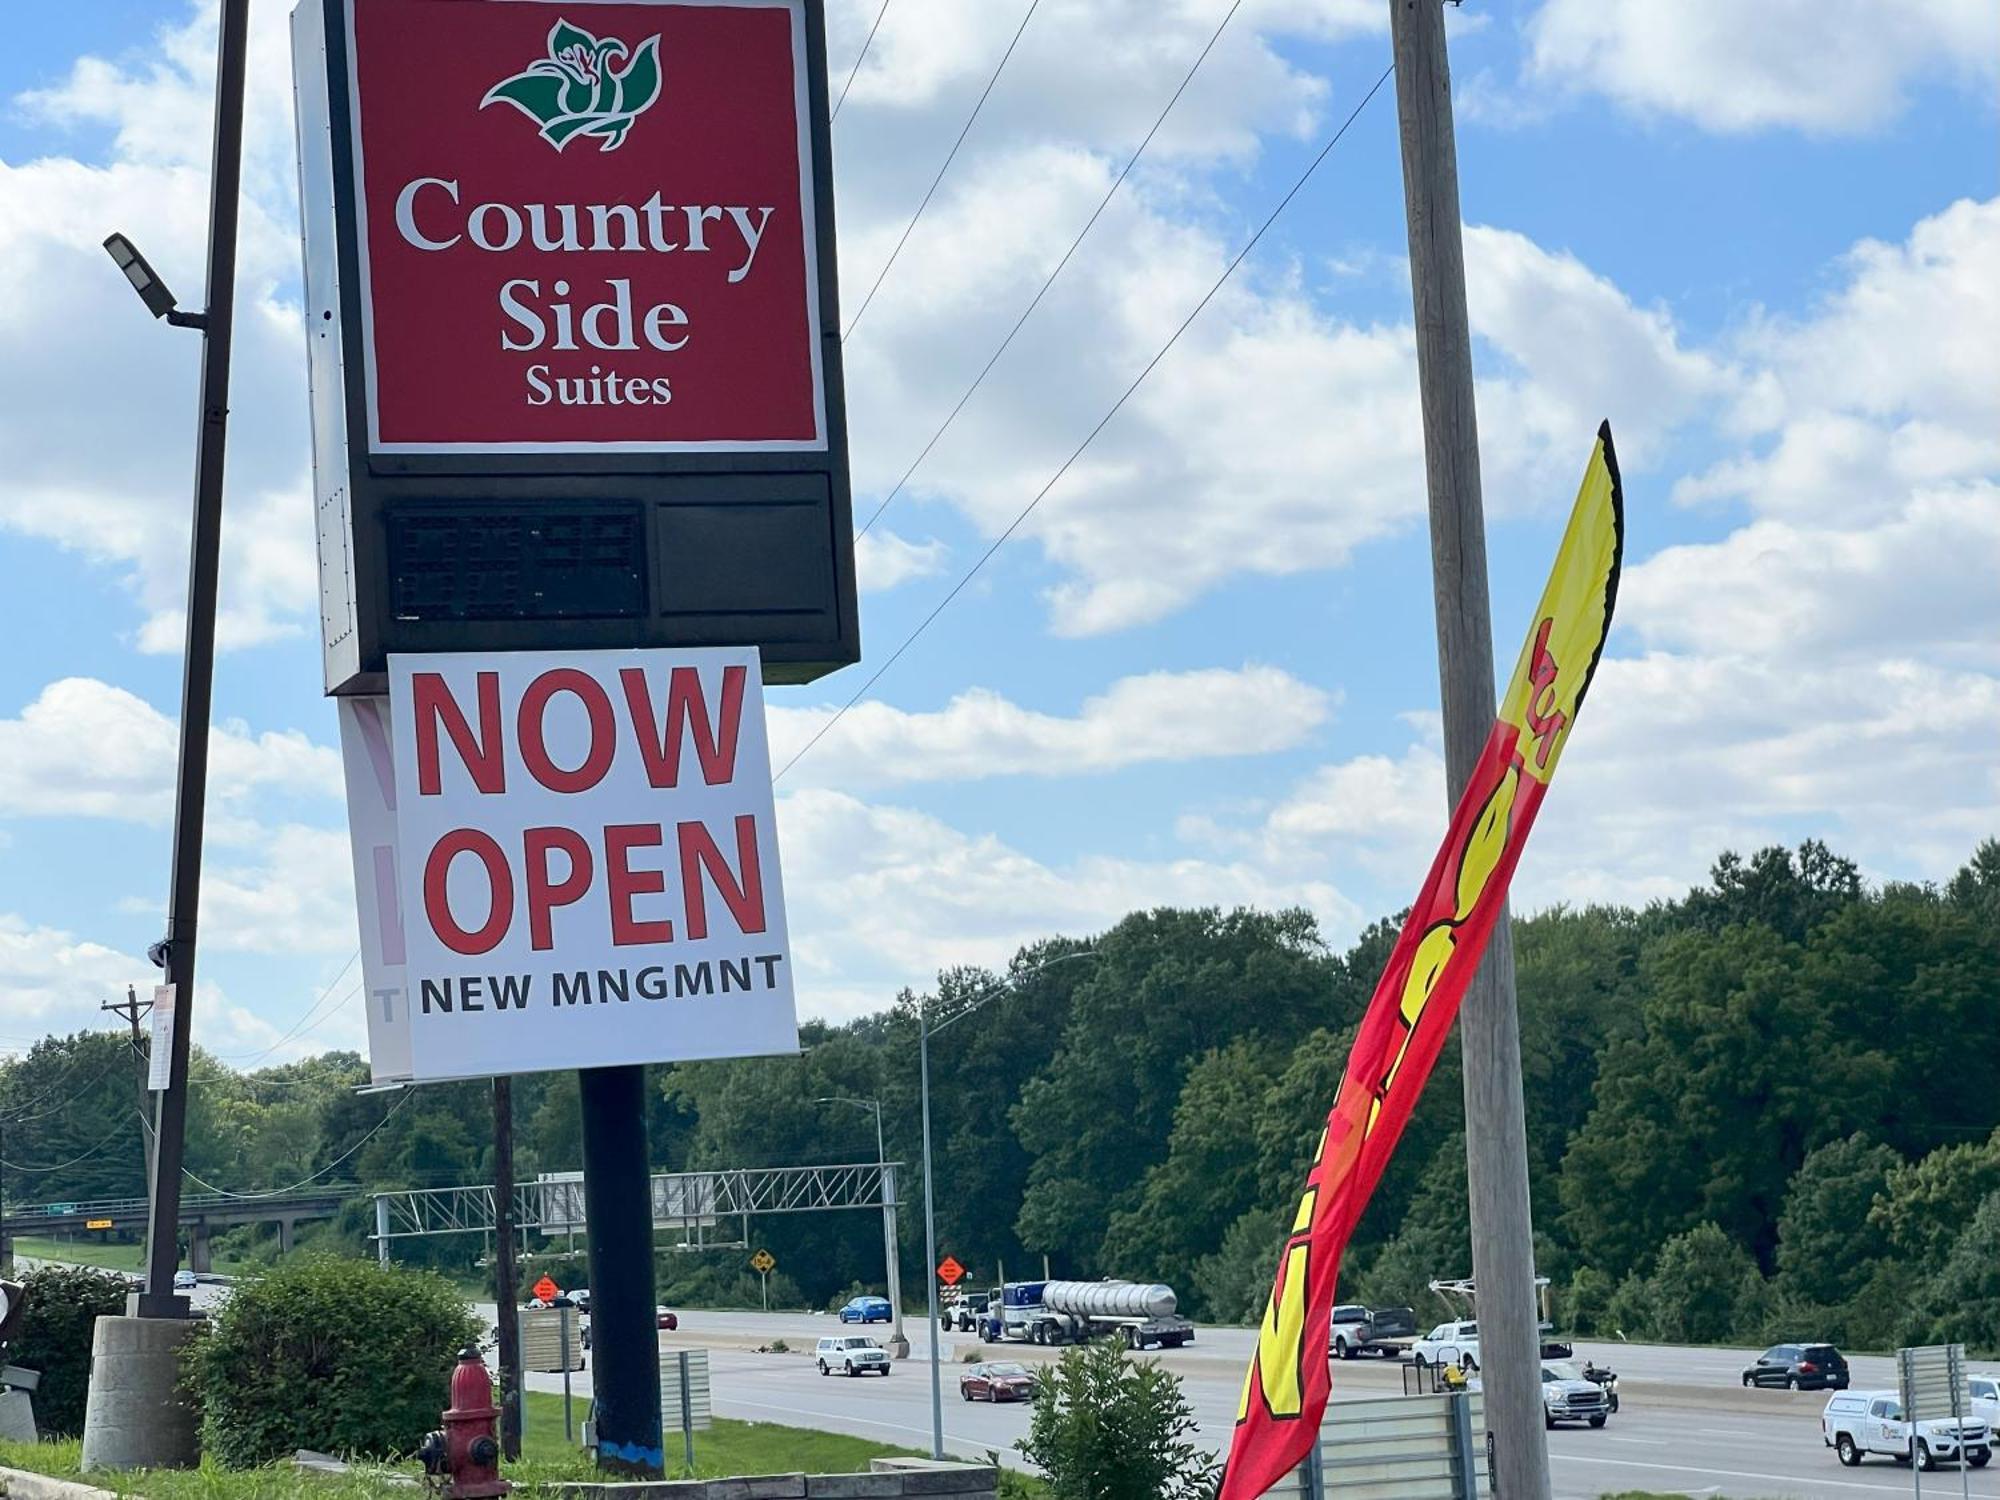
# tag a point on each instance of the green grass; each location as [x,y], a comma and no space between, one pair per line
[112,1255]
[107,1253]
[729,1448]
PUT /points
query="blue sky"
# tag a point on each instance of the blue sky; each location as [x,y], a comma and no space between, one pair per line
[1759,242]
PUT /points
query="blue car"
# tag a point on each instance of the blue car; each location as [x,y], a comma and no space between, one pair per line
[867,1310]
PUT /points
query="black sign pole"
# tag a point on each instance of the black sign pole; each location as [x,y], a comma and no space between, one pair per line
[505,1295]
[618,1207]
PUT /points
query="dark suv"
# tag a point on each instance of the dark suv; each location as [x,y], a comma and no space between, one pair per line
[1799,1367]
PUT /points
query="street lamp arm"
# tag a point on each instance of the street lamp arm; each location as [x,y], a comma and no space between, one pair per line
[1011,981]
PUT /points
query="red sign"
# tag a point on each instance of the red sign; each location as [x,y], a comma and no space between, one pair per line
[586,227]
[547,1290]
[950,1272]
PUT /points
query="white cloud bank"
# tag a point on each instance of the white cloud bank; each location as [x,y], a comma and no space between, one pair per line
[1829,67]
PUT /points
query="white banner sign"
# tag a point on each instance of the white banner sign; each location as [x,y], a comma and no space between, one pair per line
[589,860]
[160,1060]
[369,764]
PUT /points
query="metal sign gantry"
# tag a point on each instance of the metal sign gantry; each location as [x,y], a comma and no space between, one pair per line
[695,1203]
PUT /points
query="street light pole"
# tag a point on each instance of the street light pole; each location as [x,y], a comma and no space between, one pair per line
[176,952]
[930,1234]
[899,1343]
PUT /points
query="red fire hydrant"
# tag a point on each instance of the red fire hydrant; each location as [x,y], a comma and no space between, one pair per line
[466,1452]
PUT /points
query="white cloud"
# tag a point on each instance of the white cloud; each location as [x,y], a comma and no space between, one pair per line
[1921,585]
[883,897]
[882,560]
[1575,350]
[294,895]
[97,400]
[55,980]
[1887,386]
[1161,716]
[1830,67]
[84,748]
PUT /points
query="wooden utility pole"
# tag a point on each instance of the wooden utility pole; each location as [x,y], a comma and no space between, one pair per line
[1496,1147]
[131,1008]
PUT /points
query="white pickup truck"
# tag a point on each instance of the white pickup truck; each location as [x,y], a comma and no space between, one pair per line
[1448,1344]
[1858,1423]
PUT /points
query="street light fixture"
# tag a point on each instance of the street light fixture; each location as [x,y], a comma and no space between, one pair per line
[899,1343]
[924,1033]
[159,300]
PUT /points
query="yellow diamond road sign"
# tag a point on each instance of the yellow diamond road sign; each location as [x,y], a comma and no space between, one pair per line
[763,1260]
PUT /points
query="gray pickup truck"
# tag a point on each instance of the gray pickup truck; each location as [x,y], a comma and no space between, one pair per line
[1358,1330]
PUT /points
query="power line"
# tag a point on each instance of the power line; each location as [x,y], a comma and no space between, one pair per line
[1091,437]
[861,58]
[303,1183]
[58,1166]
[1036,301]
[950,156]
[257,1056]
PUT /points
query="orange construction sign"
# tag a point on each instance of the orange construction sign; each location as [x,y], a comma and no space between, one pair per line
[950,1272]
[547,1290]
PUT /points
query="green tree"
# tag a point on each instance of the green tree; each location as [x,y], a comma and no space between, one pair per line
[1928,1202]
[1167,987]
[1704,1288]
[1736,1074]
[1106,1427]
[1234,1283]
[1827,1245]
[1434,1239]
[1207,1181]
[1961,1303]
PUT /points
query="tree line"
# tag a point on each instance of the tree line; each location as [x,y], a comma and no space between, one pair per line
[1770,1108]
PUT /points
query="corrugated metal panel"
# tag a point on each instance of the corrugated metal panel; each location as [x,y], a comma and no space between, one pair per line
[1398,1448]
[697,1389]
[542,1338]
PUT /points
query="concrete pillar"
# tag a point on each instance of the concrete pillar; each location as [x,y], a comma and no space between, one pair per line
[198,1257]
[285,1236]
[134,1417]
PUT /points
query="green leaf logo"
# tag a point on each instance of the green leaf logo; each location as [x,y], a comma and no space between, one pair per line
[584,87]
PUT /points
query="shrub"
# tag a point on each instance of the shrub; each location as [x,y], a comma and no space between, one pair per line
[1110,1428]
[1586,1308]
[63,1304]
[344,1356]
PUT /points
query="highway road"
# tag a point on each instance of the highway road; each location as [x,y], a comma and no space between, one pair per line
[1685,1425]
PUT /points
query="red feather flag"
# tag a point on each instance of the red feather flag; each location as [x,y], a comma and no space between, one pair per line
[1417,998]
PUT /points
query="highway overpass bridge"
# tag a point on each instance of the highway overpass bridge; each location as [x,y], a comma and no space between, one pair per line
[202,1214]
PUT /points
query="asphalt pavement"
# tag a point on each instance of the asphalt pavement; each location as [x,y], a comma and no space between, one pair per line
[1685,1423]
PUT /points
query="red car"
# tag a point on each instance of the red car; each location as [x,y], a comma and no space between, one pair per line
[666,1318]
[1000,1380]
